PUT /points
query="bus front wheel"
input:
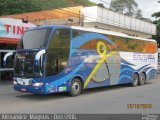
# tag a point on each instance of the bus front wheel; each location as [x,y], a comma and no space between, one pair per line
[75,87]
[135,80]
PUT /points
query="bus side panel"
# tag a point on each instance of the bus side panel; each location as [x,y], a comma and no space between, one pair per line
[101,51]
[101,67]
[137,63]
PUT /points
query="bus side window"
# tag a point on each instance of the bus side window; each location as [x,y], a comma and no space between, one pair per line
[77,33]
[58,52]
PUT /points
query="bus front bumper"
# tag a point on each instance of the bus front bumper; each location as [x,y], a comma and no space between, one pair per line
[30,89]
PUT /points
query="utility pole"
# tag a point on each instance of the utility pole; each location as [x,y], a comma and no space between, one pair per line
[81,18]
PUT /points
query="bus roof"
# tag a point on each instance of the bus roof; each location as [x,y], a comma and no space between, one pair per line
[110,33]
[92,30]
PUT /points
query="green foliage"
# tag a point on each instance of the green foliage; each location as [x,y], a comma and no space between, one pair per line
[157,21]
[127,7]
[17,6]
[138,14]
[156,15]
[84,2]
[50,4]
[158,27]
[8,7]
[100,5]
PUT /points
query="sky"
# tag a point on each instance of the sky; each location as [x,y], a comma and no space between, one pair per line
[148,7]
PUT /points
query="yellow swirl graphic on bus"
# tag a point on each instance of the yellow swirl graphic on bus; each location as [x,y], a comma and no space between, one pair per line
[102,50]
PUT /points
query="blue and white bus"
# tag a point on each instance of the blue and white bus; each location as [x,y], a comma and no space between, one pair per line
[51,59]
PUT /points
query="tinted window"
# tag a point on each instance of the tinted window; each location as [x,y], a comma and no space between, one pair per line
[24,65]
[35,38]
[121,43]
[58,52]
[93,45]
[77,33]
[7,46]
[133,45]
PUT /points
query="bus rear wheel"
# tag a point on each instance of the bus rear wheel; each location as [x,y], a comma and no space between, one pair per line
[135,80]
[75,87]
[142,79]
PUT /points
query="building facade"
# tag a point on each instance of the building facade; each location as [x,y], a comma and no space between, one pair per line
[92,17]
[102,18]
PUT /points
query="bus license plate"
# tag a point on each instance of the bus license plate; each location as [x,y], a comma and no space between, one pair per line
[23,90]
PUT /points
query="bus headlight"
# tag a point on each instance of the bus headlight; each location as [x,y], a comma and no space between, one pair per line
[15,82]
[37,84]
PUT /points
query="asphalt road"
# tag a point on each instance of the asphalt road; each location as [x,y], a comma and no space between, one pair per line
[112,99]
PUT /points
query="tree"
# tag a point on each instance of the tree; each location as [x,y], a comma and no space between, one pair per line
[127,7]
[157,22]
[138,14]
[17,6]
[156,15]
[100,5]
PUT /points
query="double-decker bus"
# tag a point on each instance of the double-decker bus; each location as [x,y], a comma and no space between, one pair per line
[51,59]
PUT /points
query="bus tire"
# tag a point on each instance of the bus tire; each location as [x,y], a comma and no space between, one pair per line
[142,79]
[75,87]
[135,80]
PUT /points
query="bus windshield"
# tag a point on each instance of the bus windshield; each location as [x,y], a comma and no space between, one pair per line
[35,39]
[24,64]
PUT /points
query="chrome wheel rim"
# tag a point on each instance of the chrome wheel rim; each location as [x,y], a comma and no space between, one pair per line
[76,87]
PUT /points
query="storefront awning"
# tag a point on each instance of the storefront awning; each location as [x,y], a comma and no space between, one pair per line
[9,40]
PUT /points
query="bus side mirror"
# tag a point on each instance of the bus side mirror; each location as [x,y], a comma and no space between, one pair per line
[38,60]
[38,56]
[5,58]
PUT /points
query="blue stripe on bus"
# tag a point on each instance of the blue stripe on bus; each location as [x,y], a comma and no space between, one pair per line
[65,78]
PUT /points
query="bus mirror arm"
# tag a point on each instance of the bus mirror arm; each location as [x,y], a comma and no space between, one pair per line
[6,56]
[38,56]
